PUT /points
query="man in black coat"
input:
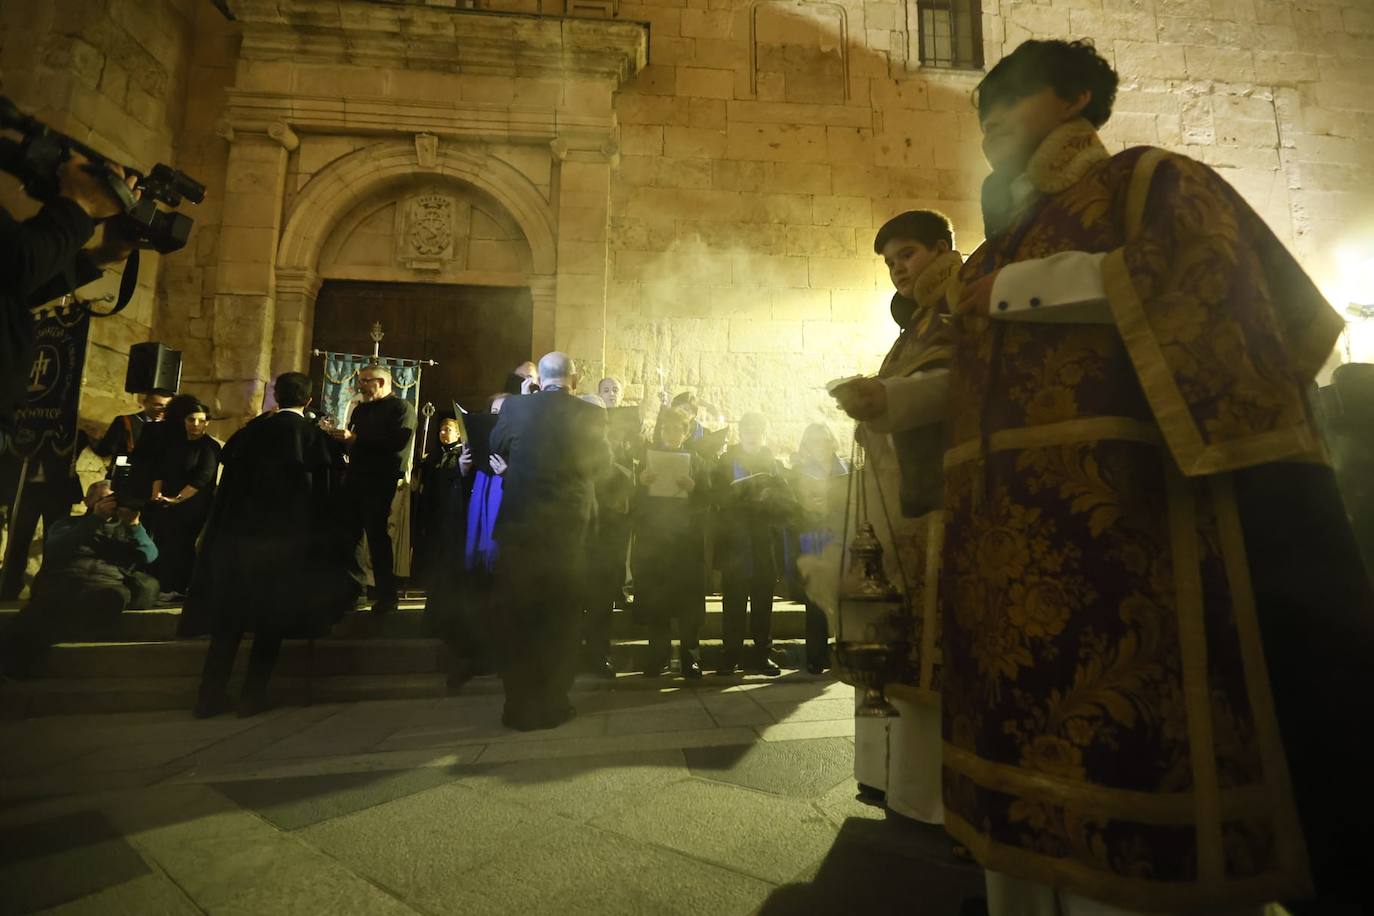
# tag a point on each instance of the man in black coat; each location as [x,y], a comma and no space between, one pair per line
[379,438]
[556,449]
[273,559]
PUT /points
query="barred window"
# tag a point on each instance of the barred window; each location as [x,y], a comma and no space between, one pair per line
[951,33]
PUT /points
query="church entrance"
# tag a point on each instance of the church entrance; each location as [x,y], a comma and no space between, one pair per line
[477,334]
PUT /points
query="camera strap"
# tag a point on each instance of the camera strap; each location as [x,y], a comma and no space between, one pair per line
[127,284]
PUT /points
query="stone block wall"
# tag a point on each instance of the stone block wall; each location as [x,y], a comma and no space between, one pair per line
[112,73]
[759,156]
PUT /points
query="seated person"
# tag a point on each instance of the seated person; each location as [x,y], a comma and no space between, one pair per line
[669,549]
[93,570]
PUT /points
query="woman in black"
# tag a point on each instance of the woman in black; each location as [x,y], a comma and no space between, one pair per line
[182,490]
[668,559]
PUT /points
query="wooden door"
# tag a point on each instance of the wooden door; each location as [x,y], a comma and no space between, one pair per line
[477,334]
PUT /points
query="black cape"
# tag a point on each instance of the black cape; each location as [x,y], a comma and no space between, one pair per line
[273,555]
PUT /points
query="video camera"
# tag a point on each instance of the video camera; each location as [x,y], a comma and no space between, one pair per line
[35,159]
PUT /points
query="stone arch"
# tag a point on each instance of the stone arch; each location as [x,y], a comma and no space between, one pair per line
[352,180]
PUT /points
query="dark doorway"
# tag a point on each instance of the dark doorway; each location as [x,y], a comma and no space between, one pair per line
[477,334]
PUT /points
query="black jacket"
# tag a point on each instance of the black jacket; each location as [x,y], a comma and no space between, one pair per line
[386,433]
[273,554]
[557,450]
[35,256]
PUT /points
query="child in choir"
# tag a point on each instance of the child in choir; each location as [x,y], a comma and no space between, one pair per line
[747,545]
[668,558]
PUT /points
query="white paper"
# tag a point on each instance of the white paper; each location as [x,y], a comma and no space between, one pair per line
[667,469]
[834,383]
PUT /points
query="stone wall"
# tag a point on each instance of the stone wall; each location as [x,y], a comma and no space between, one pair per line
[753,179]
[711,219]
[112,73]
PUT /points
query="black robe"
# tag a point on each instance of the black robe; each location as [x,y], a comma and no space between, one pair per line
[274,556]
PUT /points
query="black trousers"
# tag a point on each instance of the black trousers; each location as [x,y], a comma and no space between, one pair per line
[661,641]
[737,588]
[47,501]
[219,662]
[536,622]
[368,498]
[817,636]
[66,609]
[605,584]
[1316,614]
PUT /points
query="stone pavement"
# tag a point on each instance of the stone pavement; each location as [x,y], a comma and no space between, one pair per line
[728,798]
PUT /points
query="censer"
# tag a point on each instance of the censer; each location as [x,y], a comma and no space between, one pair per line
[874,625]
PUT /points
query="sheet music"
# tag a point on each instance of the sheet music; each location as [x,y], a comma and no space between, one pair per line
[667,469]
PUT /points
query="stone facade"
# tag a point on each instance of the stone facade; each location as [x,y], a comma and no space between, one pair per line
[696,196]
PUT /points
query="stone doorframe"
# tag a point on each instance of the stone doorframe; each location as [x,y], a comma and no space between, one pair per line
[369,173]
[406,69]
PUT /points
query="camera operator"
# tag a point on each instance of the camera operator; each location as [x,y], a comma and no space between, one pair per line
[41,258]
[93,569]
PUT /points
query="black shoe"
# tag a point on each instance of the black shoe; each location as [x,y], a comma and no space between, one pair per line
[601,667]
[871,795]
[211,707]
[815,668]
[383,606]
[727,667]
[691,670]
[656,669]
[765,667]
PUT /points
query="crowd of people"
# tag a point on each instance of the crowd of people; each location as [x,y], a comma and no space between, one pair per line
[1140,623]
[659,518]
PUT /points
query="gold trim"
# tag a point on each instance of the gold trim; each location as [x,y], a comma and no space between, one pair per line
[1168,809]
[1087,429]
[1288,833]
[1194,456]
[930,597]
[1134,894]
[1197,699]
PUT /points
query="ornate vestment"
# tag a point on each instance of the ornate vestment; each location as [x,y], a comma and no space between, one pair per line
[905,464]
[1108,723]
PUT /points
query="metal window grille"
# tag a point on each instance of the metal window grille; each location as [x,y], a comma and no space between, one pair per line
[951,33]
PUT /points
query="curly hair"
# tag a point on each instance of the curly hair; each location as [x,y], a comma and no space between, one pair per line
[1068,67]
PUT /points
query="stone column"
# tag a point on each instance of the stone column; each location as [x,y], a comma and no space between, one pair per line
[582,192]
[244,319]
[297,290]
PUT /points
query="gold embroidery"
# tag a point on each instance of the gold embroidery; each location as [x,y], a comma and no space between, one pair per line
[1085,430]
[1192,636]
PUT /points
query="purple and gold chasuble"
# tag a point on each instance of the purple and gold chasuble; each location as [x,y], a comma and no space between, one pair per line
[1108,723]
[912,546]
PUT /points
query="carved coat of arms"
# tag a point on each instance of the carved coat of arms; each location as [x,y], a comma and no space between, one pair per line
[430,222]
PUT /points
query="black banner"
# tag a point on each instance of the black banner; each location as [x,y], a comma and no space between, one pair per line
[46,420]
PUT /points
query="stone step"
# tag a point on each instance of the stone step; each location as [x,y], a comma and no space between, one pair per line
[66,696]
[138,677]
[327,659]
[789,621]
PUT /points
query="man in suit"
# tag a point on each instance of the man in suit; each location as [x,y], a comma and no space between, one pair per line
[556,450]
[379,439]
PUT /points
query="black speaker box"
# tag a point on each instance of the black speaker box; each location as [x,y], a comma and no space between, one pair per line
[152,365]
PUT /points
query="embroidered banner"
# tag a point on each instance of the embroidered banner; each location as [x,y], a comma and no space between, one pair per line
[46,420]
